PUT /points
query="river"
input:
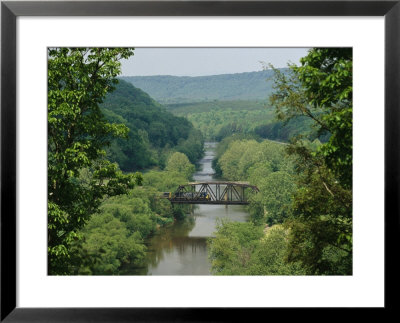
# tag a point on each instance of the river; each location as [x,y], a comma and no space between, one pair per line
[181,248]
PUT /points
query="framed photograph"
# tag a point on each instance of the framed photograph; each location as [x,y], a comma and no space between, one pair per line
[61,268]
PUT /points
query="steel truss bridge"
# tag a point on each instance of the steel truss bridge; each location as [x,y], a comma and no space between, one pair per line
[226,193]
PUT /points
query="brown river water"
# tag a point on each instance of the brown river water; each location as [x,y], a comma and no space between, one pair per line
[181,248]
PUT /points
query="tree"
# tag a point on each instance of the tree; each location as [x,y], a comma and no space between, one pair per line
[277,191]
[238,158]
[321,89]
[78,80]
[269,256]
[179,162]
[321,227]
[231,249]
[110,245]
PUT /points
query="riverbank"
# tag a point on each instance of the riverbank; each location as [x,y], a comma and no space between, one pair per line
[181,248]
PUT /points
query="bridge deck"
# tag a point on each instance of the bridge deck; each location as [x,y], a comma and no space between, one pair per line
[176,201]
[216,193]
[241,184]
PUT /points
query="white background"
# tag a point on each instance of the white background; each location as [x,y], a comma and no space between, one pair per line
[364,288]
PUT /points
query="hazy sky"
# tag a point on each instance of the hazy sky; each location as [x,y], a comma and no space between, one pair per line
[206,61]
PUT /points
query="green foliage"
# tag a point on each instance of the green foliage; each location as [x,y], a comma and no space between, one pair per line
[242,159]
[168,181]
[310,192]
[78,80]
[108,240]
[327,77]
[163,181]
[115,237]
[226,87]
[231,249]
[277,190]
[321,90]
[239,152]
[134,212]
[285,131]
[247,249]
[269,258]
[322,220]
[179,163]
[193,146]
[326,74]
[266,165]
[220,119]
[153,131]
[162,208]
[321,227]
[224,143]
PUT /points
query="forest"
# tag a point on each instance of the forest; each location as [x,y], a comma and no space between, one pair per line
[167,89]
[301,221]
[219,119]
[113,149]
[153,131]
[102,131]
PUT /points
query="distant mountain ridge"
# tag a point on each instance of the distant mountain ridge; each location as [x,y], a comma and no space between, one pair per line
[169,89]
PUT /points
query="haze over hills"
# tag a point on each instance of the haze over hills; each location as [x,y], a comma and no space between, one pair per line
[169,89]
[221,105]
[153,131]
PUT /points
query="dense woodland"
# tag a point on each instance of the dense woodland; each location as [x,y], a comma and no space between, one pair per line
[101,132]
[114,237]
[302,217]
[113,149]
[219,119]
[153,131]
[168,89]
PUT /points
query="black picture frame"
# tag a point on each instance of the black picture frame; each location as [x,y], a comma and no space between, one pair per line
[10,10]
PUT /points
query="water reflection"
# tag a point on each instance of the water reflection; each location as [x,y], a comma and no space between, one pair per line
[181,248]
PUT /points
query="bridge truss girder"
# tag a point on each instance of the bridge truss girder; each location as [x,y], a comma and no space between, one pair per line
[226,193]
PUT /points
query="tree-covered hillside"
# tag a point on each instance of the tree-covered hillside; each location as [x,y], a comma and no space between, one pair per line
[220,119]
[153,131]
[304,203]
[178,89]
[221,105]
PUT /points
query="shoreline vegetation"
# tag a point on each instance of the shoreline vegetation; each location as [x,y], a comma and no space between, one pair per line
[113,149]
[116,235]
[305,199]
